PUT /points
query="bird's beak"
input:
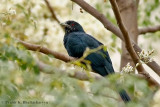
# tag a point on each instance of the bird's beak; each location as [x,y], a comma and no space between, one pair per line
[65,25]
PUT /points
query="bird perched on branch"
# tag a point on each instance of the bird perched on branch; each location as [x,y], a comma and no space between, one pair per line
[76,41]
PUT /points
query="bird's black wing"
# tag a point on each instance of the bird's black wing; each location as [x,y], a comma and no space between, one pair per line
[105,53]
[101,62]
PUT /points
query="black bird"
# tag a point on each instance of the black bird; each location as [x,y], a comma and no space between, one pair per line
[76,41]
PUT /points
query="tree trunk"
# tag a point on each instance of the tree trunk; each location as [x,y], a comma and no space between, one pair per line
[128,10]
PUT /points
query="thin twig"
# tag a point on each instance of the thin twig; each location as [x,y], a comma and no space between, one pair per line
[52,12]
[149,29]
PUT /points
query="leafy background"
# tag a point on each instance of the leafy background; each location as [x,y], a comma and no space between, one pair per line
[30,20]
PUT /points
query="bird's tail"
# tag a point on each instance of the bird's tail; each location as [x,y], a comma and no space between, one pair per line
[124,96]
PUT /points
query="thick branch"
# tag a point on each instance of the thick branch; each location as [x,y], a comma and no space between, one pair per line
[108,25]
[79,74]
[44,50]
[150,29]
[126,36]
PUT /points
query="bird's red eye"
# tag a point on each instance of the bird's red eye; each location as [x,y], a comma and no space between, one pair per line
[72,24]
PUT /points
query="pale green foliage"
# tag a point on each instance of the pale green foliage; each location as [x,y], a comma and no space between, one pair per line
[20,78]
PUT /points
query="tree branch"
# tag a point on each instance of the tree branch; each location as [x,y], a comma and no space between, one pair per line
[127,40]
[111,27]
[52,12]
[82,75]
[78,74]
[149,29]
[46,51]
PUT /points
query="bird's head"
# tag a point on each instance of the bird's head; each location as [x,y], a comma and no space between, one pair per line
[72,26]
